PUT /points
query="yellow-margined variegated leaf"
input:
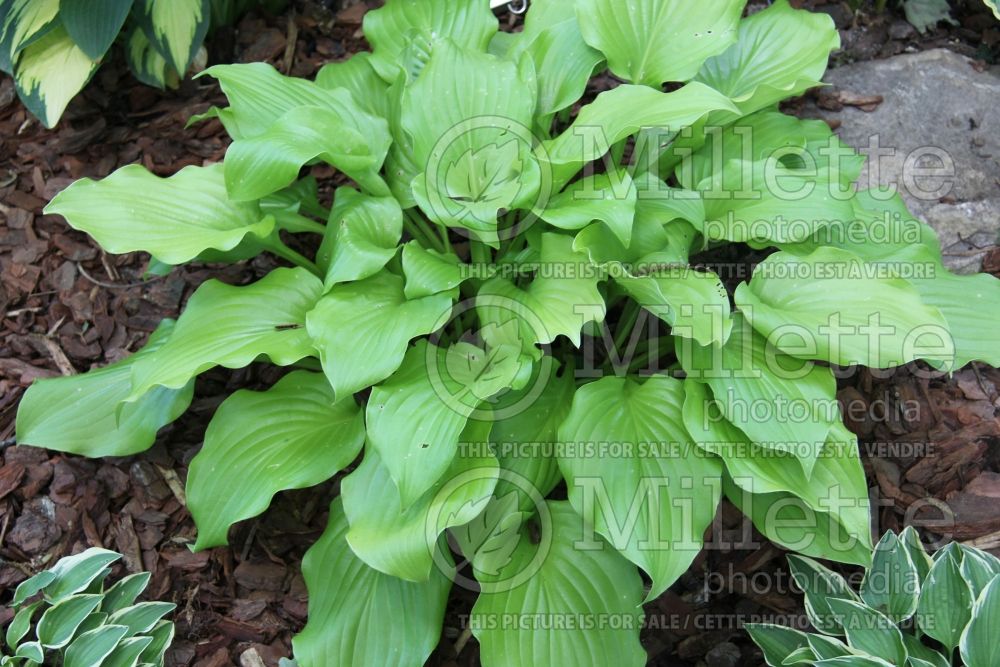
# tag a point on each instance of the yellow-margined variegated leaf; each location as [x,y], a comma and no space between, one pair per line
[49,72]
[146,63]
[22,21]
[176,28]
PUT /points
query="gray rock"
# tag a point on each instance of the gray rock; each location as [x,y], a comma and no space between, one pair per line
[725,654]
[938,111]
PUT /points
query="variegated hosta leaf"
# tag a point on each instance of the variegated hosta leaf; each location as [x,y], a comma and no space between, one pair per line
[21,22]
[555,579]
[347,599]
[175,28]
[146,63]
[229,326]
[653,497]
[978,644]
[892,584]
[362,235]
[299,435]
[84,414]
[946,603]
[653,41]
[403,32]
[764,66]
[174,219]
[49,72]
[831,305]
[362,329]
[94,24]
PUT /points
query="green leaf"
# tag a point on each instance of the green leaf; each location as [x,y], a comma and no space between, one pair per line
[49,72]
[870,631]
[126,654]
[429,272]
[833,306]
[58,624]
[921,656]
[764,66]
[337,131]
[750,378]
[176,28]
[552,580]
[84,414]
[652,500]
[146,63]
[357,75]
[93,25]
[610,198]
[362,235]
[299,436]
[91,648]
[32,651]
[945,605]
[32,585]
[853,661]
[654,41]
[403,30]
[821,585]
[910,539]
[404,543]
[124,592]
[777,642]
[362,329]
[229,326]
[141,617]
[75,573]
[891,585]
[174,218]
[347,598]
[979,646]
[20,624]
[924,14]
[978,569]
[21,22]
[163,635]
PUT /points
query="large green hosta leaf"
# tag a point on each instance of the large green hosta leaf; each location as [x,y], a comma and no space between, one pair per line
[229,326]
[362,329]
[653,41]
[428,271]
[831,305]
[469,115]
[294,435]
[610,198]
[404,543]
[362,235]
[653,498]
[404,31]
[49,72]
[349,603]
[175,27]
[560,581]
[174,219]
[779,402]
[764,66]
[357,75]
[21,22]
[94,24]
[84,414]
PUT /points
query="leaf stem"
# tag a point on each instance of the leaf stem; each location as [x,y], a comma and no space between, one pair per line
[277,247]
[626,324]
[298,224]
[419,230]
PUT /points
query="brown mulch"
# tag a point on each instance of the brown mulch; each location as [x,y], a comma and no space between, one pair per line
[66,307]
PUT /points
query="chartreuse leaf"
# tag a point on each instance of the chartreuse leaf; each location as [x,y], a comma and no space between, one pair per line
[763,66]
[403,543]
[404,31]
[891,584]
[779,402]
[654,41]
[610,198]
[979,645]
[558,302]
[469,115]
[776,641]
[362,235]
[174,219]
[348,602]
[946,602]
[445,387]
[821,585]
[516,618]
[93,25]
[124,592]
[870,631]
[619,113]
[146,63]
[93,646]
[357,75]
[653,498]
[84,414]
[428,271]
[229,326]
[176,28]
[299,436]
[21,22]
[362,329]
[58,624]
[831,305]
[336,131]
[126,654]
[49,72]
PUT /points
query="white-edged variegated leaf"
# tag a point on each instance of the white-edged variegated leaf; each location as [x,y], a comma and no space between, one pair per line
[92,647]
[653,499]
[94,24]
[127,653]
[59,623]
[891,585]
[869,631]
[85,414]
[22,21]
[297,435]
[654,41]
[362,235]
[555,579]
[349,602]
[229,326]
[946,603]
[176,28]
[49,72]
[979,644]
[174,219]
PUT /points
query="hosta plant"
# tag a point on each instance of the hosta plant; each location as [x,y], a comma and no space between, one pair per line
[911,610]
[53,47]
[68,616]
[500,329]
